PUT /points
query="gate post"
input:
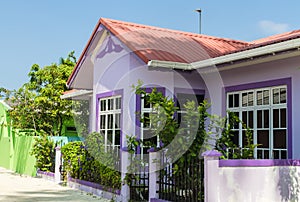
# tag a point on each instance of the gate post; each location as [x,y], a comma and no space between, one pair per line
[125,195]
[154,160]
[57,174]
[211,178]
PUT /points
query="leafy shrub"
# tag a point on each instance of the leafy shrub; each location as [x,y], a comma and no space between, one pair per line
[44,152]
[80,164]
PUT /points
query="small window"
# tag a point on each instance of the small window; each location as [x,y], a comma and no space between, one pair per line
[109,120]
[71,128]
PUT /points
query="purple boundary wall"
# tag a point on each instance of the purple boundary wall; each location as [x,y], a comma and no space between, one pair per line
[94,185]
[157,200]
[49,174]
[258,163]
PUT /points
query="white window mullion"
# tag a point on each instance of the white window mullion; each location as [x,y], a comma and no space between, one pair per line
[255,131]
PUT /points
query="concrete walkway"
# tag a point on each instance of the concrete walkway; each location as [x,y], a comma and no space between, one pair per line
[16,188]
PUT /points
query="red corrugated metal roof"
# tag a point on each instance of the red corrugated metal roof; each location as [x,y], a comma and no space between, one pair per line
[270,40]
[278,38]
[152,43]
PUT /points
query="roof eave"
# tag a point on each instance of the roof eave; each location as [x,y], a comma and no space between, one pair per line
[77,93]
[82,56]
[169,64]
[230,58]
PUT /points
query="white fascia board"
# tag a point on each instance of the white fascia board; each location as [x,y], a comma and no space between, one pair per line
[169,65]
[269,49]
[76,94]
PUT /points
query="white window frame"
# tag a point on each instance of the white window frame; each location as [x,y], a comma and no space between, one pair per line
[255,108]
[115,113]
[144,111]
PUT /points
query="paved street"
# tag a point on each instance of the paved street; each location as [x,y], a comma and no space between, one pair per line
[16,188]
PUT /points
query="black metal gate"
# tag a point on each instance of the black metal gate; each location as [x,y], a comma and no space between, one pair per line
[139,185]
[182,180]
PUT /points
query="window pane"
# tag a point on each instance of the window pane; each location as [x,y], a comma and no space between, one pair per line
[230,101]
[236,123]
[146,102]
[110,104]
[109,121]
[103,104]
[283,118]
[118,103]
[266,99]
[263,154]
[182,98]
[147,133]
[235,138]
[283,154]
[275,118]
[282,95]
[109,137]
[250,99]
[102,122]
[200,98]
[117,137]
[102,132]
[266,119]
[279,139]
[245,138]
[244,99]
[259,154]
[263,138]
[259,98]
[250,114]
[275,154]
[236,100]
[244,117]
[146,120]
[259,118]
[276,96]
[266,154]
[117,121]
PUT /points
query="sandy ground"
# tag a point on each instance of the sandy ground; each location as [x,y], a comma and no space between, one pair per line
[16,188]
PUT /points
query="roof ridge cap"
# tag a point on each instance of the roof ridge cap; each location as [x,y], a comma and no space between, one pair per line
[185,33]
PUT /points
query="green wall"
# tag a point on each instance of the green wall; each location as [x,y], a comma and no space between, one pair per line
[4,152]
[16,145]
[23,162]
[16,156]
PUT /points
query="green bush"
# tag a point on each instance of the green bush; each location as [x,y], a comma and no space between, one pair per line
[44,152]
[80,164]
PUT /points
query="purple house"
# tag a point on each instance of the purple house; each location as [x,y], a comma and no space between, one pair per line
[257,80]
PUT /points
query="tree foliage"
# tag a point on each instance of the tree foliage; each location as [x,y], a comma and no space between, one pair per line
[37,104]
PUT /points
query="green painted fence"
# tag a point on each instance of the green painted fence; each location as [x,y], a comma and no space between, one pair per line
[15,154]
[5,154]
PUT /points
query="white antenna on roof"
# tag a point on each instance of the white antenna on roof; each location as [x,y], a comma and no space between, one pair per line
[199,11]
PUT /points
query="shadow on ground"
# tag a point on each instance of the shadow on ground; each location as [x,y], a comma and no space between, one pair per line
[46,195]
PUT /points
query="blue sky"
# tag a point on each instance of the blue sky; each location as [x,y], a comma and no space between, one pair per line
[40,32]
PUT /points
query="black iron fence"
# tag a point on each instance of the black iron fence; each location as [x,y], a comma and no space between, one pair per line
[182,180]
[139,179]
